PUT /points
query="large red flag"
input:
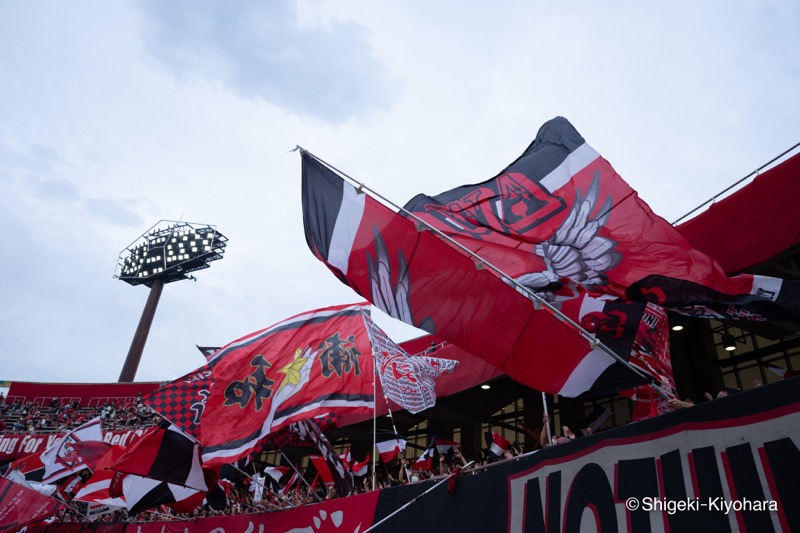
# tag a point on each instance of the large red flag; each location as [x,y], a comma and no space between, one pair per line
[20,506]
[561,212]
[307,365]
[418,278]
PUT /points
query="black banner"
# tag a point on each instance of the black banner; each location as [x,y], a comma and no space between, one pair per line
[731,464]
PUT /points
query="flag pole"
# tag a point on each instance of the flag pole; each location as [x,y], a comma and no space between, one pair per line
[388,409]
[312,491]
[547,424]
[263,486]
[374,415]
[538,301]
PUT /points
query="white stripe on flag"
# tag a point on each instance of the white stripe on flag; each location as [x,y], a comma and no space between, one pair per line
[579,159]
[347,223]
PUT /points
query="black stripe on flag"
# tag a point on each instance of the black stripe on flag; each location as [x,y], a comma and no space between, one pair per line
[173,462]
[322,194]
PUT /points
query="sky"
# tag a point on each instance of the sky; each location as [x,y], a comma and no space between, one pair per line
[116,115]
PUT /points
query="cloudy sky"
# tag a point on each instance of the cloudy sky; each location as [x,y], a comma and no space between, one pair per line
[115,115]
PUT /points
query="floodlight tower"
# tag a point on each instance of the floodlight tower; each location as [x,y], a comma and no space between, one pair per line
[169,251]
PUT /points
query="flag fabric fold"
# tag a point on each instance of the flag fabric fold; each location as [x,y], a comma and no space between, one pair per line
[389,445]
[416,277]
[276,472]
[408,381]
[340,474]
[63,457]
[143,493]
[561,212]
[311,364]
[21,506]
[360,469]
[165,453]
[498,446]
[183,400]
[96,488]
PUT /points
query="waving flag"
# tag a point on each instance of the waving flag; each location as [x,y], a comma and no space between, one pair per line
[167,454]
[415,277]
[340,473]
[30,467]
[389,445]
[561,212]
[143,493]
[361,469]
[497,446]
[323,470]
[96,488]
[408,381]
[276,472]
[20,506]
[310,364]
[66,455]
[182,401]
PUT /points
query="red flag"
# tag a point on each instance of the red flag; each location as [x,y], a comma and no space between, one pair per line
[346,458]
[560,211]
[143,493]
[422,464]
[276,472]
[389,446]
[360,469]
[322,468]
[498,445]
[30,466]
[313,363]
[651,355]
[182,401]
[445,445]
[408,381]
[340,473]
[292,480]
[416,277]
[20,506]
[167,454]
[97,486]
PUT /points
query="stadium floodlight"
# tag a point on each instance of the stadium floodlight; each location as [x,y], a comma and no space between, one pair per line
[169,251]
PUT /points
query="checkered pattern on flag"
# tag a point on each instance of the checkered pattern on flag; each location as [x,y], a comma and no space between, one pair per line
[182,401]
[408,381]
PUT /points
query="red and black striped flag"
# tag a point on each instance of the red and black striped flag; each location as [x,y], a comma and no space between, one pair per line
[167,454]
[418,278]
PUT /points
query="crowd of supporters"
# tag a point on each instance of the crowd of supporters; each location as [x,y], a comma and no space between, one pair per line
[57,415]
[241,494]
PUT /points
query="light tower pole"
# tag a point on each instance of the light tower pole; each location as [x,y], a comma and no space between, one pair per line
[169,251]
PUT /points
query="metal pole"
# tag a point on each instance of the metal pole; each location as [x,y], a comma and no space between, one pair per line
[544,406]
[537,300]
[312,491]
[756,171]
[374,418]
[140,337]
